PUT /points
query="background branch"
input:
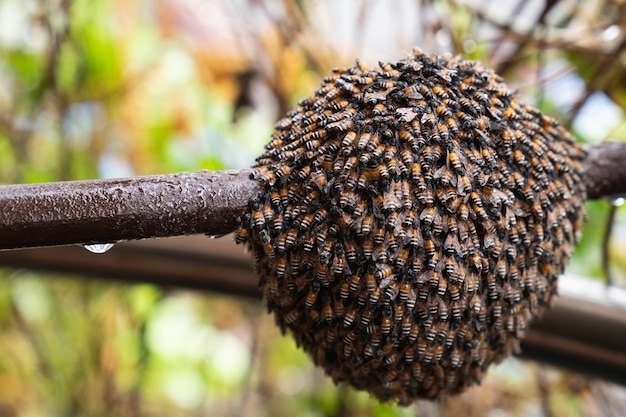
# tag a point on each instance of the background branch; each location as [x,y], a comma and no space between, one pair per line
[111,210]
[578,332]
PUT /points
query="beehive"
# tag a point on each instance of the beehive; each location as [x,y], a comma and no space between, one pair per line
[413,221]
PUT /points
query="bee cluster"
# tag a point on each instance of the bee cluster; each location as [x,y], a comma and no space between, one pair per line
[414,219]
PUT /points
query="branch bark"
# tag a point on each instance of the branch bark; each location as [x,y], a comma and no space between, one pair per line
[111,210]
[605,170]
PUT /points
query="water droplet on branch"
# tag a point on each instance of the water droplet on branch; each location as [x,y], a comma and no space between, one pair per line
[99,247]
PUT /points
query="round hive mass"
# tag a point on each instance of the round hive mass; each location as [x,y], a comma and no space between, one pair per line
[413,221]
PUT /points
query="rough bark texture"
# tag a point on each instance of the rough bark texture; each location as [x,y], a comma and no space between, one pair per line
[111,210]
[605,170]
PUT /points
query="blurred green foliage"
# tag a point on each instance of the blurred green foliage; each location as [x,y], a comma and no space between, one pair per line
[99,88]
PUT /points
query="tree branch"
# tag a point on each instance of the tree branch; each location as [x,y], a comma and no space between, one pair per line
[111,210]
[605,170]
[578,332]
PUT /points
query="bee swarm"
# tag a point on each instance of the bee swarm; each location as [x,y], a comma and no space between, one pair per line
[413,221]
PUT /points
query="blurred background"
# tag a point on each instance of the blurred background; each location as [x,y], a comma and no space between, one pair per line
[109,88]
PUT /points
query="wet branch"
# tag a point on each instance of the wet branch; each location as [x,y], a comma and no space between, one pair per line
[111,210]
[605,169]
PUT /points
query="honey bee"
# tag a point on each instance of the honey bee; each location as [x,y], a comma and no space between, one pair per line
[415,238]
[338,309]
[427,216]
[501,271]
[309,198]
[312,294]
[386,325]
[379,109]
[243,234]
[444,175]
[339,263]
[321,272]
[476,303]
[428,120]
[406,326]
[306,221]
[455,160]
[536,209]
[393,167]
[464,184]
[362,298]
[364,139]
[375,295]
[416,371]
[385,85]
[319,179]
[268,248]
[454,291]
[421,348]
[379,236]
[444,113]
[434,259]
[268,177]
[467,122]
[416,176]
[343,125]
[431,154]
[434,278]
[382,172]
[414,333]
[392,290]
[349,317]
[389,377]
[352,180]
[463,210]
[309,242]
[452,125]
[442,287]
[366,317]
[430,247]
[479,211]
[368,249]
[349,139]
[398,312]
[490,156]
[456,307]
[449,266]
[347,167]
[331,335]
[411,92]
[292,316]
[401,259]
[367,224]
[257,218]
[355,283]
[437,224]
[292,235]
[347,343]
[426,197]
[281,266]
